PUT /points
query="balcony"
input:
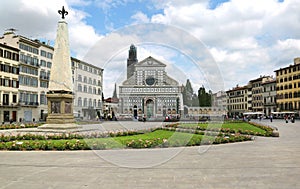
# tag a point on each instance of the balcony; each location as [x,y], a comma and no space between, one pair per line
[31,104]
[269,104]
[8,105]
[31,63]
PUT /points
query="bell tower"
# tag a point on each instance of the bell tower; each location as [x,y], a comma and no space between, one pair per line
[131,61]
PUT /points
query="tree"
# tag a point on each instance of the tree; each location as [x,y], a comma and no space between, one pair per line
[195,101]
[204,97]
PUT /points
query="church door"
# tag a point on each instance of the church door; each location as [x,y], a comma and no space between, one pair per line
[135,113]
[150,108]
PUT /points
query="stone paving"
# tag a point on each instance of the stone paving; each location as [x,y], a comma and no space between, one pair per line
[262,163]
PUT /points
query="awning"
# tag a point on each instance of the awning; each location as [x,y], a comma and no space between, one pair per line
[253,113]
[283,112]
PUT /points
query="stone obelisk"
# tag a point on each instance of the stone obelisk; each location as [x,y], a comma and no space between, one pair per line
[60,95]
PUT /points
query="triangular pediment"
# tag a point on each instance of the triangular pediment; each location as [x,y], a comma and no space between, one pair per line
[150,62]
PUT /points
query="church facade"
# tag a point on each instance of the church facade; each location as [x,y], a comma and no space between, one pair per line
[148,90]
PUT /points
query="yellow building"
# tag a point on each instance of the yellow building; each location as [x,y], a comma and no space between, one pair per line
[238,100]
[288,87]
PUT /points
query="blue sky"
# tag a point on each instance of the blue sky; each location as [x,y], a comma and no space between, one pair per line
[245,38]
[106,17]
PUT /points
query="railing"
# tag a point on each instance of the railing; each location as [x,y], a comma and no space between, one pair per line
[28,103]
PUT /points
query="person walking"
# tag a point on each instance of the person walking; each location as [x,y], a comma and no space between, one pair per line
[293,119]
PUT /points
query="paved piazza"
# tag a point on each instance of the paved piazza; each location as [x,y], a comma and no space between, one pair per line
[262,163]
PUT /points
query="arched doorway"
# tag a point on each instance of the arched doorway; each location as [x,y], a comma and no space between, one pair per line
[135,112]
[149,108]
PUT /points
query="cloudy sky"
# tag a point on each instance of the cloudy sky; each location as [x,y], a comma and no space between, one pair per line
[207,41]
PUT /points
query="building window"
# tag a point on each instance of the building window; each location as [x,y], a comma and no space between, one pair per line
[43,53]
[90,102]
[49,55]
[44,84]
[79,102]
[85,102]
[5,98]
[43,63]
[49,64]
[95,103]
[43,98]
[15,84]
[79,88]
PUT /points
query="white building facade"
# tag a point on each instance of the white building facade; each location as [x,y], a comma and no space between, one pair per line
[35,61]
[88,82]
[148,90]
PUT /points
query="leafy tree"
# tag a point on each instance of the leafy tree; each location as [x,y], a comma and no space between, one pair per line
[204,97]
[195,101]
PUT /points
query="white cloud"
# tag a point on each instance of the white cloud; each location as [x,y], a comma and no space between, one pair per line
[37,19]
[140,17]
[247,38]
[105,5]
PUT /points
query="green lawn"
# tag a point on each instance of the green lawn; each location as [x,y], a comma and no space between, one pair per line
[231,126]
[152,139]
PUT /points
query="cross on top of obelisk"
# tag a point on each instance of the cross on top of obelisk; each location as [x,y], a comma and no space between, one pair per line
[63,12]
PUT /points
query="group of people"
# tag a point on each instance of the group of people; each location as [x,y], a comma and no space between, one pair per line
[289,117]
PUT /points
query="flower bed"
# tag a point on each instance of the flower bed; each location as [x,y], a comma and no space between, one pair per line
[156,139]
[19,126]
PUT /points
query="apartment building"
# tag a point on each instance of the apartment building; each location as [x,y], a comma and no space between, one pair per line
[9,83]
[288,87]
[269,96]
[35,61]
[257,89]
[219,99]
[88,82]
[237,100]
